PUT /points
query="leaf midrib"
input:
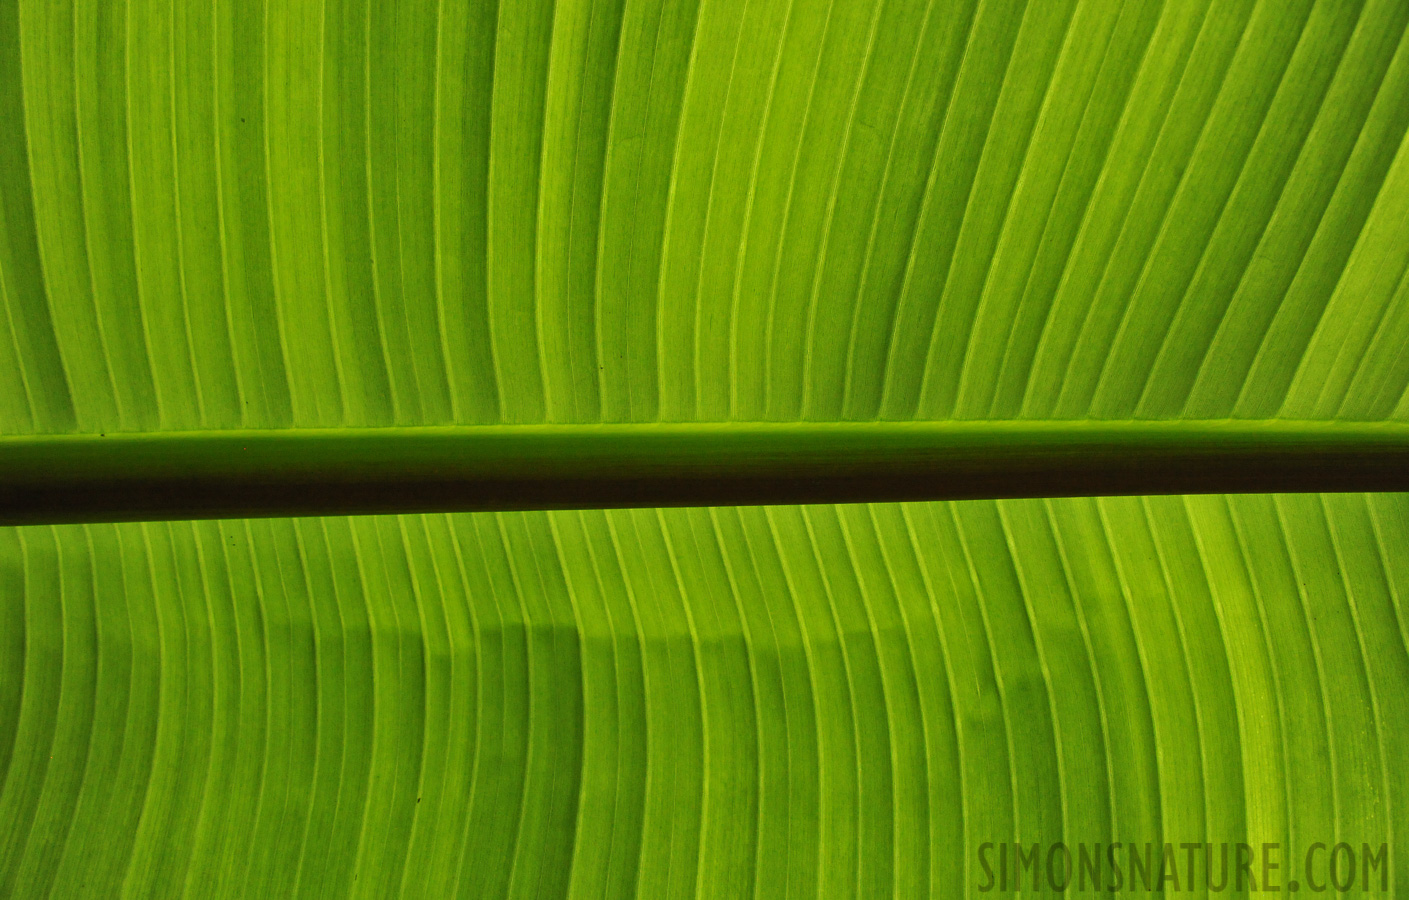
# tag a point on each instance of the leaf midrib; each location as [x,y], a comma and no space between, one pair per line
[292,472]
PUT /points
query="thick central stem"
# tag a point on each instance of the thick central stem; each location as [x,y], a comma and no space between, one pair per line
[226,474]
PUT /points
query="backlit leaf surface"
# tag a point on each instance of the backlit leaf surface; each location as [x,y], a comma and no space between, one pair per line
[264,214]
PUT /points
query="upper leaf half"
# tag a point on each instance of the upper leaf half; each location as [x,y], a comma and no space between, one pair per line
[218,216]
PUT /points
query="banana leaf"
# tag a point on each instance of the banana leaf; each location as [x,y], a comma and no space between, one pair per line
[943,447]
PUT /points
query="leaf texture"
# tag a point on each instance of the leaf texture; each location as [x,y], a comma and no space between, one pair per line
[274,214]
[265,214]
[728,701]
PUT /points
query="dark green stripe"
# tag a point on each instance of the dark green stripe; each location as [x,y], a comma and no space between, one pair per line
[195,475]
